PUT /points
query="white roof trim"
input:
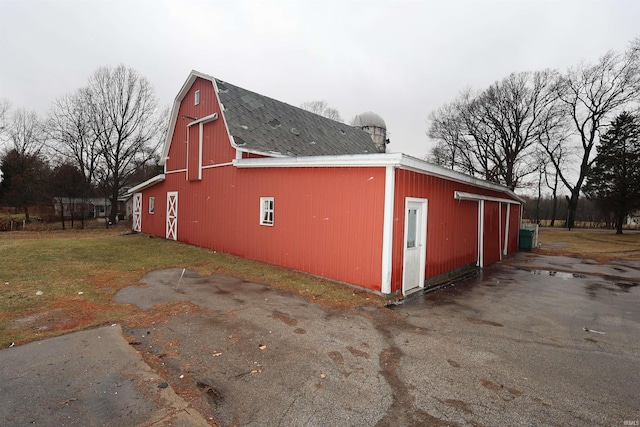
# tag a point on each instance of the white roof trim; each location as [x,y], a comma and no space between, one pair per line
[461,195]
[148,183]
[398,160]
[355,160]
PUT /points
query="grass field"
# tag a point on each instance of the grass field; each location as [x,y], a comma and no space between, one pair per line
[601,245]
[55,282]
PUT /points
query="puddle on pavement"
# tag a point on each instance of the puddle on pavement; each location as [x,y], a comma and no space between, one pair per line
[559,274]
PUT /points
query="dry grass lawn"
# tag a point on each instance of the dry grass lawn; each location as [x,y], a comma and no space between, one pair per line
[602,245]
[56,282]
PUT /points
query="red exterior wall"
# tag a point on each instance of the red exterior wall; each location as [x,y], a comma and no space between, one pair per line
[327,221]
[452,225]
[215,145]
[493,237]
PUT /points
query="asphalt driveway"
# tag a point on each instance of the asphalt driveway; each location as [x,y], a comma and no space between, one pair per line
[532,341]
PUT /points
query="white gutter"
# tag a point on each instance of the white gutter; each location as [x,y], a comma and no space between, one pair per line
[461,195]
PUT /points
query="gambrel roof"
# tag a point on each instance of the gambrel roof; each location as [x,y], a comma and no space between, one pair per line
[262,125]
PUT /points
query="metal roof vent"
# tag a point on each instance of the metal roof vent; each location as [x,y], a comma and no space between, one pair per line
[221,87]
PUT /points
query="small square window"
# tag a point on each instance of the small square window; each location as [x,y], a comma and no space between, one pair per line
[197,98]
[152,205]
[266,211]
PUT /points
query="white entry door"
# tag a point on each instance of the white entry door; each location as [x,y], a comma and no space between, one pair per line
[137,212]
[172,215]
[415,244]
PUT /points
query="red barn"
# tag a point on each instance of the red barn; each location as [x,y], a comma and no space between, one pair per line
[255,177]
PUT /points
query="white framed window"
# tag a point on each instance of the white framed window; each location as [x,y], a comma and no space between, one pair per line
[266,211]
[196,99]
[152,205]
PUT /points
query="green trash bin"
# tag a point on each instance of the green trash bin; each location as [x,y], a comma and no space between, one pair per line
[526,239]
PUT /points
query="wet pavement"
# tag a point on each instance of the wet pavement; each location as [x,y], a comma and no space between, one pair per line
[87,378]
[533,341]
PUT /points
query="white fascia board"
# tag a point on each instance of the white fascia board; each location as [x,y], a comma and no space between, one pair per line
[355,160]
[148,183]
[461,195]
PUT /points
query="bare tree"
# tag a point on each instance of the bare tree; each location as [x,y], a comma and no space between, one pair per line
[492,133]
[323,109]
[451,149]
[25,133]
[71,133]
[590,95]
[5,106]
[123,115]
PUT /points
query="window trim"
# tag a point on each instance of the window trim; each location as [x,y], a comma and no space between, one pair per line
[152,205]
[264,211]
[196,98]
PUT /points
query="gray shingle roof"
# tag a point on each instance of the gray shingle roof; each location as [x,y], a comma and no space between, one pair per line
[260,123]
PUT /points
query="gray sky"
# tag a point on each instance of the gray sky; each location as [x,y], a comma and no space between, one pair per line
[400,59]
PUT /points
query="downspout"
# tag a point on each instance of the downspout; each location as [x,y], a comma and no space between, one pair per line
[387,228]
[500,228]
[505,250]
[480,233]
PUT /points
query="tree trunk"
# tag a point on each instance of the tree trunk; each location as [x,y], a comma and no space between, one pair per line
[554,209]
[573,205]
[619,222]
[25,209]
[114,208]
[62,212]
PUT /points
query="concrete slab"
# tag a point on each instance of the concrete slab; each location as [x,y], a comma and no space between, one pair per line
[87,378]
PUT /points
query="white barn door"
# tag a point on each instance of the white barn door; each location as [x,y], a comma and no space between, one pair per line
[415,244]
[172,215]
[137,212]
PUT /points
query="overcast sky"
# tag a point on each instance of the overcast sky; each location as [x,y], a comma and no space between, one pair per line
[399,59]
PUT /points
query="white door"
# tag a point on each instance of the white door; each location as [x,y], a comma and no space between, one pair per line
[137,212]
[172,215]
[415,244]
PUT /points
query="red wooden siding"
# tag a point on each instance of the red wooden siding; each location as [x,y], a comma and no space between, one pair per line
[327,221]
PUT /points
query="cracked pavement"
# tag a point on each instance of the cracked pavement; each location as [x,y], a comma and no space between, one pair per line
[505,347]
[534,340]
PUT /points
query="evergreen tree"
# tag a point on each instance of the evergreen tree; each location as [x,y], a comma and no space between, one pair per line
[614,180]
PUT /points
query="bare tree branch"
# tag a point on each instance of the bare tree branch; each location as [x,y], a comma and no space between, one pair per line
[323,109]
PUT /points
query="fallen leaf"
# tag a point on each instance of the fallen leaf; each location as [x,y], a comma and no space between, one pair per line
[262,346]
[216,354]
